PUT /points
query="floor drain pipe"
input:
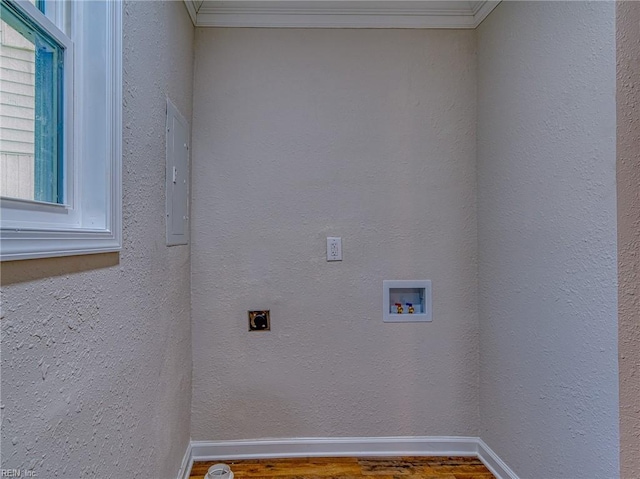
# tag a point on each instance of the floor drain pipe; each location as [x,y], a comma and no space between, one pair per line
[219,471]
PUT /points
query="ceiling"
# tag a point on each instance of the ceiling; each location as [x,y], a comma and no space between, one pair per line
[339,13]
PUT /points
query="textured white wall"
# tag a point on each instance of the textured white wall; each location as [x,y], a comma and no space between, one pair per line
[628,175]
[96,353]
[303,134]
[547,238]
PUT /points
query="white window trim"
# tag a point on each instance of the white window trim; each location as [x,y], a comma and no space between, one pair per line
[90,221]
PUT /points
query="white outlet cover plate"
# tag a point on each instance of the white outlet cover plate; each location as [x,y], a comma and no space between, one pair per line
[334,248]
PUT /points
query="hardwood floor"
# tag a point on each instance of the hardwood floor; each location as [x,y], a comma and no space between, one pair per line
[353,468]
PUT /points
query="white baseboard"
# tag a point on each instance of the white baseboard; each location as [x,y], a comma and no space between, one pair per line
[187,462]
[345,446]
[496,465]
[336,447]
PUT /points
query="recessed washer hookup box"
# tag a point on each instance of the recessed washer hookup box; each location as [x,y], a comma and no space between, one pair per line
[406,301]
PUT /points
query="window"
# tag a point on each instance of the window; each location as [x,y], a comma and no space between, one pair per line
[60,127]
[31,122]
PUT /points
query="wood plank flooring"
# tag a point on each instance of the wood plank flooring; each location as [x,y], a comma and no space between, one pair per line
[353,468]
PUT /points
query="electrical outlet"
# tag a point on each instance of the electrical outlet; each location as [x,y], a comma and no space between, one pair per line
[334,249]
[259,321]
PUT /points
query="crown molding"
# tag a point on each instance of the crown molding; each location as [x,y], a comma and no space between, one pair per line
[339,13]
[484,8]
[192,10]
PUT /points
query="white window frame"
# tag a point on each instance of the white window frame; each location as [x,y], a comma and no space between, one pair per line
[90,220]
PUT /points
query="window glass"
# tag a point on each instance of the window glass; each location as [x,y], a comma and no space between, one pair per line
[31,126]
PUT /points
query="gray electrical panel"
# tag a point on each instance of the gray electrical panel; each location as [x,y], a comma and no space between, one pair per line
[177,177]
